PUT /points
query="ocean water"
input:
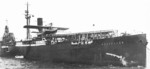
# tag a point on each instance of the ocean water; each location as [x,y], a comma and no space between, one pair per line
[20,63]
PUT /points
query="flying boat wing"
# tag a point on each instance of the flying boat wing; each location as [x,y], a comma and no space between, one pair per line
[35,32]
[32,26]
[45,27]
[60,28]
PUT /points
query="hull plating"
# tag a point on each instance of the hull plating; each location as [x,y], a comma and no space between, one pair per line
[125,50]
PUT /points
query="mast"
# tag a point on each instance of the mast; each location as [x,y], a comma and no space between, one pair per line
[6,32]
[27,16]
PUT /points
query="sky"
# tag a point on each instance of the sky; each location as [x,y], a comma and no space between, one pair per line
[77,15]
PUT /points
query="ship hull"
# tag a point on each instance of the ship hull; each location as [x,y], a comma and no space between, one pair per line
[118,51]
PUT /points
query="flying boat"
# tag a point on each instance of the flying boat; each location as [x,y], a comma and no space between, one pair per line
[48,29]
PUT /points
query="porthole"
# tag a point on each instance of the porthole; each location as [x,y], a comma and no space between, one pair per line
[122,42]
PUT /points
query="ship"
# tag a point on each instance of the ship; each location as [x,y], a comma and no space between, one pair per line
[7,45]
[102,47]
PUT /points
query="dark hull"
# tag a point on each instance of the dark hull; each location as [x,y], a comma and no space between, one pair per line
[133,48]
